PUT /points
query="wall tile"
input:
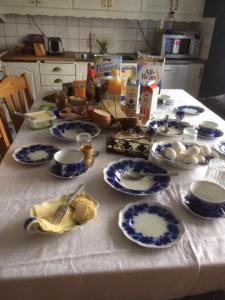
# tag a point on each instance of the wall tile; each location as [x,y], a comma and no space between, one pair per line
[108,23]
[108,30]
[121,33]
[60,21]
[73,32]
[2,42]
[61,31]
[131,24]
[120,23]
[85,32]
[130,46]
[72,21]
[10,29]
[85,22]
[22,19]
[38,19]
[73,45]
[131,34]
[84,45]
[10,18]
[49,30]
[96,30]
[65,44]
[33,29]
[96,22]
[23,29]
[48,20]
[11,42]
[120,46]
[2,31]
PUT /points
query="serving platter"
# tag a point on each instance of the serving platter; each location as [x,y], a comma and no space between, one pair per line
[158,150]
[148,185]
[220,147]
[68,131]
[190,109]
[174,127]
[36,154]
[150,225]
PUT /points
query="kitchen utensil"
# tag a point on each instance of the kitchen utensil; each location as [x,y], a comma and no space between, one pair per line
[62,209]
[137,176]
[23,115]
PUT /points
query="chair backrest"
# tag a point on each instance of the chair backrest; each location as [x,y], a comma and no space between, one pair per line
[16,94]
[5,135]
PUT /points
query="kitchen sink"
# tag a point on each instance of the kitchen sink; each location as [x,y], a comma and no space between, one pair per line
[86,56]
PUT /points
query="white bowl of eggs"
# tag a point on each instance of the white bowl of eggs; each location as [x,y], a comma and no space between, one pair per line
[184,156]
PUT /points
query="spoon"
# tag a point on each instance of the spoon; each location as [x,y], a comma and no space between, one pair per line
[23,115]
[137,176]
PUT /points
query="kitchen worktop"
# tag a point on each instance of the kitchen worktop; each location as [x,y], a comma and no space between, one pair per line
[23,57]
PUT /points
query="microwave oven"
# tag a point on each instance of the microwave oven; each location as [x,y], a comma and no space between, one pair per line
[178,46]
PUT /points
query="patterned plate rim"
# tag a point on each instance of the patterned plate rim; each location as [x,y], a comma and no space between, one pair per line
[216,146]
[71,122]
[165,134]
[127,191]
[34,163]
[129,205]
[210,137]
[68,177]
[182,107]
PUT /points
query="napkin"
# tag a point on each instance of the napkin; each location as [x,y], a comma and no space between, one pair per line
[81,210]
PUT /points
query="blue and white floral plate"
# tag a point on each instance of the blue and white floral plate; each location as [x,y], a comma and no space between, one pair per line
[175,127]
[150,225]
[36,154]
[210,133]
[68,131]
[158,150]
[190,109]
[149,185]
[220,147]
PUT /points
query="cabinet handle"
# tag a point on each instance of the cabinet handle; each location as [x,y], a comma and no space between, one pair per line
[109,3]
[56,69]
[38,2]
[32,1]
[104,3]
[58,80]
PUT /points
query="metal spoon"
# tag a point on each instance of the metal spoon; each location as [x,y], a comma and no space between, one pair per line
[23,115]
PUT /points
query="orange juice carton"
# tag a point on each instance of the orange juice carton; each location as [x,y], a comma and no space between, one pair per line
[148,101]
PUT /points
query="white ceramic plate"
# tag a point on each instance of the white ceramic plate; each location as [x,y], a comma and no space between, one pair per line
[150,225]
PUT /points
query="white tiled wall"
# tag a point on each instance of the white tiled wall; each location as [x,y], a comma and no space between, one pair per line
[122,35]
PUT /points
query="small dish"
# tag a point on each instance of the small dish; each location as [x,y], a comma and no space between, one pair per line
[220,147]
[209,133]
[36,154]
[158,150]
[40,119]
[68,131]
[175,127]
[150,225]
[190,109]
[147,185]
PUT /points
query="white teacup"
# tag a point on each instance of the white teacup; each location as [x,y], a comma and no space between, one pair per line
[208,124]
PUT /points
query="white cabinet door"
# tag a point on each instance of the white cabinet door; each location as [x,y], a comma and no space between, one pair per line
[55,3]
[28,3]
[174,76]
[93,4]
[31,69]
[124,5]
[194,78]
[157,6]
[188,7]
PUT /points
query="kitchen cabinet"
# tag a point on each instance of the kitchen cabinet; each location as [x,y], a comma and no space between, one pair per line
[112,5]
[54,3]
[157,6]
[189,7]
[31,69]
[183,76]
[28,3]
[194,78]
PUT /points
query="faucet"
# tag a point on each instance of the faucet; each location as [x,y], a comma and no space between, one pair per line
[103,46]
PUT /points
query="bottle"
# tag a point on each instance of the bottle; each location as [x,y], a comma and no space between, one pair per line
[90,87]
[132,97]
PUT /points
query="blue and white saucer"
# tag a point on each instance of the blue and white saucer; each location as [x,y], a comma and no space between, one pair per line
[54,172]
[35,154]
[211,133]
[220,147]
[175,127]
[150,225]
[190,109]
[149,185]
[68,131]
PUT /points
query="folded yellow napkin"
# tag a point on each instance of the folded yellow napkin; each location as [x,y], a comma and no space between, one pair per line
[81,210]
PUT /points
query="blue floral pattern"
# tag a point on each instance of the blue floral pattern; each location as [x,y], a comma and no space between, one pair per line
[209,133]
[22,155]
[174,227]
[140,166]
[220,147]
[185,108]
[63,171]
[156,124]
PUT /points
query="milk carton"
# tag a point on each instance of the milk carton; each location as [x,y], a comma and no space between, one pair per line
[148,101]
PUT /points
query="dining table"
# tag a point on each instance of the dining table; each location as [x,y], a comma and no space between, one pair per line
[95,260]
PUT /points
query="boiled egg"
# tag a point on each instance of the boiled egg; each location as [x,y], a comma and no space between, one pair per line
[191,160]
[170,154]
[193,151]
[181,156]
[178,147]
[205,150]
[201,159]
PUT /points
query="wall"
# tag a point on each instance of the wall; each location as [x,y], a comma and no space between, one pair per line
[123,35]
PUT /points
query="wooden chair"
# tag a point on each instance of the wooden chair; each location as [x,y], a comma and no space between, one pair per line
[16,94]
[5,135]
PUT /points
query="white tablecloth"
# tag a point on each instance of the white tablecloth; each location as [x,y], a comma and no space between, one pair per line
[95,261]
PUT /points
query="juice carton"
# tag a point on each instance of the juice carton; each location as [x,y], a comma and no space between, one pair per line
[148,101]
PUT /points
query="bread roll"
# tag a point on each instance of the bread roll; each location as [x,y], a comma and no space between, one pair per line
[101,118]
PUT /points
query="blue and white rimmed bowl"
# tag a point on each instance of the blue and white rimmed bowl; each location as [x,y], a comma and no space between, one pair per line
[36,154]
[149,185]
[175,127]
[220,147]
[150,225]
[190,109]
[68,131]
